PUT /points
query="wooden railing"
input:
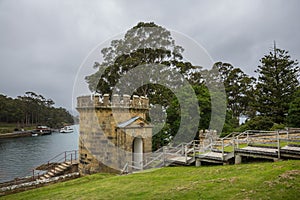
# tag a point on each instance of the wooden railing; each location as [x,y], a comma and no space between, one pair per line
[70,156]
[64,157]
[234,140]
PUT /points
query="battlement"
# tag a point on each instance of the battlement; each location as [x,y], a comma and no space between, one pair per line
[115,101]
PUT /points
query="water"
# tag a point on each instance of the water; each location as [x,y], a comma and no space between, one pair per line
[18,156]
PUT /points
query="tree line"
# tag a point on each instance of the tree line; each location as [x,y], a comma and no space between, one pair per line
[32,109]
[270,101]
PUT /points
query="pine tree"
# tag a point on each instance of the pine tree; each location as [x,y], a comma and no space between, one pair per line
[293,118]
[276,84]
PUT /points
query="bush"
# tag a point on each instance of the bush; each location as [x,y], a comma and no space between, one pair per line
[5,130]
[277,127]
[257,123]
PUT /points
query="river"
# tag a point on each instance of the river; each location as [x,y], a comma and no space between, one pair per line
[18,156]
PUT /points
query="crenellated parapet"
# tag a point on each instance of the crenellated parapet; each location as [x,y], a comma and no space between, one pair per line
[115,101]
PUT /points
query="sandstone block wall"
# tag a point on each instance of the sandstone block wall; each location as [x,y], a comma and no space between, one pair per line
[104,147]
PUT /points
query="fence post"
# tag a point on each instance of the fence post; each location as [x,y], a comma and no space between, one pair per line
[142,165]
[71,157]
[65,156]
[75,155]
[194,148]
[247,138]
[185,153]
[233,146]
[278,144]
[222,149]
[237,143]
[164,158]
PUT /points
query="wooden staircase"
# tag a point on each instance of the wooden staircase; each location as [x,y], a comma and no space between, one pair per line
[58,165]
[182,154]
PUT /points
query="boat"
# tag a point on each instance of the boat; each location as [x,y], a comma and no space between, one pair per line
[34,134]
[42,130]
[66,129]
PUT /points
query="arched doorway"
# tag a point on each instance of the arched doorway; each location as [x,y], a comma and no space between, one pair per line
[137,154]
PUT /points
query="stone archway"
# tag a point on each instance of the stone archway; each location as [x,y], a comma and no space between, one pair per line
[137,152]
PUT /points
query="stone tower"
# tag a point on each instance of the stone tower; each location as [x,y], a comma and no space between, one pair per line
[113,132]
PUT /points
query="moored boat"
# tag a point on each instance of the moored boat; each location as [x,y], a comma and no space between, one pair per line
[42,130]
[66,129]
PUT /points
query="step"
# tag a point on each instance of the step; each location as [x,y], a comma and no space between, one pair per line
[58,169]
[51,173]
[62,167]
[65,165]
[69,162]
[47,176]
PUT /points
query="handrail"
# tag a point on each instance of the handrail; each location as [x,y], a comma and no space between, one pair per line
[229,135]
[233,139]
[66,156]
[151,161]
[124,168]
[63,153]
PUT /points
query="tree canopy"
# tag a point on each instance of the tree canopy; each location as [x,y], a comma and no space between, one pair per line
[268,100]
[32,109]
[239,88]
[145,44]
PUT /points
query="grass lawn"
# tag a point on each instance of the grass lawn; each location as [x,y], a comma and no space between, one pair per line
[230,148]
[9,127]
[282,144]
[279,180]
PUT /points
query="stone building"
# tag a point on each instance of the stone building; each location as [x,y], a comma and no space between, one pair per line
[113,132]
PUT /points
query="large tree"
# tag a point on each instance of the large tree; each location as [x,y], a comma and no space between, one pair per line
[146,44]
[239,89]
[277,82]
[293,118]
[152,48]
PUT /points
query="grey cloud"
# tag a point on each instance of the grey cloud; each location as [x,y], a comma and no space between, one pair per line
[43,43]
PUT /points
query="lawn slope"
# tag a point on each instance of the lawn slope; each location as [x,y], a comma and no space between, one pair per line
[279,180]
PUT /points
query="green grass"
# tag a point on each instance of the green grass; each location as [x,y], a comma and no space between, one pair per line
[282,144]
[279,180]
[230,148]
[9,127]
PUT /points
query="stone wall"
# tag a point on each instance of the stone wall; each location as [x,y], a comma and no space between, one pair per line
[103,147]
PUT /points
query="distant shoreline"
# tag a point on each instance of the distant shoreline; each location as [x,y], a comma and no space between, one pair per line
[16,134]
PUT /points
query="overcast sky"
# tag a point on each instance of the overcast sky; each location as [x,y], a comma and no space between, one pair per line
[44,42]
